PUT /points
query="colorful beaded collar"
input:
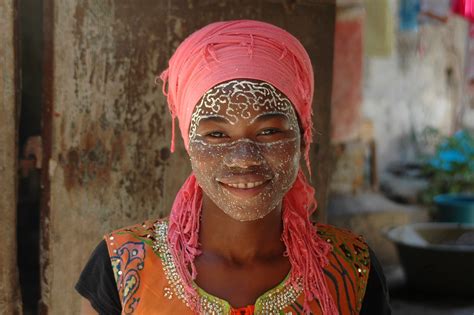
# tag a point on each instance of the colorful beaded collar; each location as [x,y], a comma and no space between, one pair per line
[273,301]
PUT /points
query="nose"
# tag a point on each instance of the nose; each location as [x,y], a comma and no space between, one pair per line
[243,154]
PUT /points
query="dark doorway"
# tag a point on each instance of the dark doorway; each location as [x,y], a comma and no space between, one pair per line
[29,143]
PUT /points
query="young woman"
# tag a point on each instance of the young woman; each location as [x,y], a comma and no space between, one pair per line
[239,239]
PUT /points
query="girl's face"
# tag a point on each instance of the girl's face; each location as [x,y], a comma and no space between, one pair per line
[245,147]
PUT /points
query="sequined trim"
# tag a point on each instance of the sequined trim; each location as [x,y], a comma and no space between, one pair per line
[279,298]
[272,302]
[160,246]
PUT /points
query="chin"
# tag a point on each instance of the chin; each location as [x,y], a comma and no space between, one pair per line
[247,215]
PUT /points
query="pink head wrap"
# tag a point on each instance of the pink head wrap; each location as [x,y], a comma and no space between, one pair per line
[238,49]
[249,50]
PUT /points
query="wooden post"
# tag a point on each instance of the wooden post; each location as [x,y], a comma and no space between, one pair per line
[10,299]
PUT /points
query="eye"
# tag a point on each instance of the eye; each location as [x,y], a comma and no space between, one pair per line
[269,132]
[215,134]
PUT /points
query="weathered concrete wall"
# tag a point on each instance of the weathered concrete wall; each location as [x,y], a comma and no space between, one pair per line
[107,151]
[348,73]
[420,85]
[9,286]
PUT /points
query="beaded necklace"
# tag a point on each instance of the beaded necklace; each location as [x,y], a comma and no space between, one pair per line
[271,302]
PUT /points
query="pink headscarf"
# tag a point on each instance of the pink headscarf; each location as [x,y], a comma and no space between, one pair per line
[249,50]
[238,49]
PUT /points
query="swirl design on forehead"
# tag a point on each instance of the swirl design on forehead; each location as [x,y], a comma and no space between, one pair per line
[238,97]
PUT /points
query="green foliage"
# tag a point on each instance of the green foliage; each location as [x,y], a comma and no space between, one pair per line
[451,168]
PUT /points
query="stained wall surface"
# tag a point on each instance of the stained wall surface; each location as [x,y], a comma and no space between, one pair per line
[348,74]
[9,286]
[107,151]
[418,86]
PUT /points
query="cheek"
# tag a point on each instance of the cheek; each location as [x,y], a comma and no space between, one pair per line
[284,158]
[281,159]
[205,161]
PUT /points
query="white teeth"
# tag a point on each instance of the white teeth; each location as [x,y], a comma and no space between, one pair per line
[245,185]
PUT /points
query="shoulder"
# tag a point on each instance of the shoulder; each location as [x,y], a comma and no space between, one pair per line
[143,233]
[128,247]
[132,254]
[333,233]
[348,260]
[139,236]
[346,243]
[139,230]
[344,240]
[346,246]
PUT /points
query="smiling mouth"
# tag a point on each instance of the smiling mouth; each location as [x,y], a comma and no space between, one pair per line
[247,185]
[245,190]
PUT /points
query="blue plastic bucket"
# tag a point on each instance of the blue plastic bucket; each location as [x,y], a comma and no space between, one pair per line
[455,208]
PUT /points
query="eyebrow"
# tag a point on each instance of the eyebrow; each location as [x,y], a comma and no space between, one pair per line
[268,116]
[215,118]
[259,118]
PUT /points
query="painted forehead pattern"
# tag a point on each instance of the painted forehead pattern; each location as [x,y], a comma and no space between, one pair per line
[234,100]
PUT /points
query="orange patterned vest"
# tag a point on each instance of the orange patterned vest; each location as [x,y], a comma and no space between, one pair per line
[148,283]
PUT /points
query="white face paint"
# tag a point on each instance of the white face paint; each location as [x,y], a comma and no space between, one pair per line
[237,99]
[245,147]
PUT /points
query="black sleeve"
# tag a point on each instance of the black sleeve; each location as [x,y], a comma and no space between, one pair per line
[97,283]
[376,299]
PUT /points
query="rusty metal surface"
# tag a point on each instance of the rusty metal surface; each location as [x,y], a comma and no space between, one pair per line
[109,163]
[10,301]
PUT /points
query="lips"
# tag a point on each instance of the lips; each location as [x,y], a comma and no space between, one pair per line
[244,185]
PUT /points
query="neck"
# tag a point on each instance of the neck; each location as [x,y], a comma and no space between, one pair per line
[240,242]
